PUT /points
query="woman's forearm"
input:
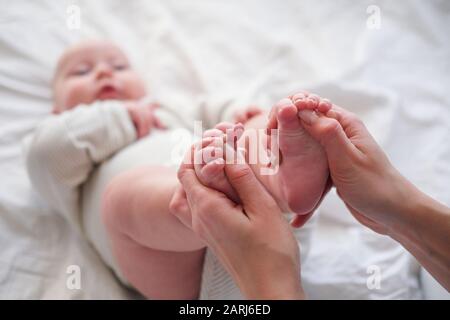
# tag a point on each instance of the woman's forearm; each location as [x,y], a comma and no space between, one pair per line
[423,228]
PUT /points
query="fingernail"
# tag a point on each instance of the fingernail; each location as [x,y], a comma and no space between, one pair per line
[297,100]
[308,116]
[239,126]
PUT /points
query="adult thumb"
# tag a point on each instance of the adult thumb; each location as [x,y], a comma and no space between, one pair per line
[251,192]
[330,134]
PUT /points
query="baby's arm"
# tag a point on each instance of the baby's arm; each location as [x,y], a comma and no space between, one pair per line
[65,148]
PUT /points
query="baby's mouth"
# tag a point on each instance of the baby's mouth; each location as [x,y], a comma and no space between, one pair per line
[108,92]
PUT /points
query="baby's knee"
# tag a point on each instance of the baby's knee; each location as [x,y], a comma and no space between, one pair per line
[114,199]
[135,193]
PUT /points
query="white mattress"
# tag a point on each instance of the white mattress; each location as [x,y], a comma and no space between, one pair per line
[396,78]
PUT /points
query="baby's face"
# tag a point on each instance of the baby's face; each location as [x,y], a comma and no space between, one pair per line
[93,71]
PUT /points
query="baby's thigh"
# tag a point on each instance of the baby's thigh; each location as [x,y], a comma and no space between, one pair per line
[136,203]
[160,274]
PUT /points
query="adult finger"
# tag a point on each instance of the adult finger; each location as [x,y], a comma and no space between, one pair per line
[179,207]
[353,127]
[212,211]
[254,197]
[330,133]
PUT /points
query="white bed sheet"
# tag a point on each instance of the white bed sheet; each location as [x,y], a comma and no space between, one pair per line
[396,78]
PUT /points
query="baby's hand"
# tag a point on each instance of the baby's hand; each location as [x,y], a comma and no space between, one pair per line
[143,117]
[242,116]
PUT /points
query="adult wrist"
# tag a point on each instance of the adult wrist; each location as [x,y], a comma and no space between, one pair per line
[399,202]
[280,285]
[411,206]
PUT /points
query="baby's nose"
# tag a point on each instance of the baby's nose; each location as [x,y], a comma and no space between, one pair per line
[104,70]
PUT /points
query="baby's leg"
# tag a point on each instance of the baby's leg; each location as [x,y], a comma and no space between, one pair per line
[156,253]
[299,181]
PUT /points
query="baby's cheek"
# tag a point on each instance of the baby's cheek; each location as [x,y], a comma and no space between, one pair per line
[133,87]
[79,92]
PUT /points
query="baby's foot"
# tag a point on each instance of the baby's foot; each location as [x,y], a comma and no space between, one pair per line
[209,158]
[243,116]
[301,179]
[303,171]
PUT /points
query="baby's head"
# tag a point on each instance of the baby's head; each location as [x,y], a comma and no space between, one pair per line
[94,70]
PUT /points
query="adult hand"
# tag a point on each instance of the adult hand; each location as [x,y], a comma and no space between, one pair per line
[361,172]
[377,195]
[252,240]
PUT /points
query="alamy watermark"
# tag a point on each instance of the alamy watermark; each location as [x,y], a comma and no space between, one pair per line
[373,281]
[73,280]
[373,21]
[73,17]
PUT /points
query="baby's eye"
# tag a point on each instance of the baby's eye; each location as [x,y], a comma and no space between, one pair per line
[81,70]
[118,66]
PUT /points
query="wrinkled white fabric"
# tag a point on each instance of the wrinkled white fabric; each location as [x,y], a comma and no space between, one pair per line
[396,78]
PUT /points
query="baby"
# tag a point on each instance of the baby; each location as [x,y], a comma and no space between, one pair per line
[95,71]
[99,109]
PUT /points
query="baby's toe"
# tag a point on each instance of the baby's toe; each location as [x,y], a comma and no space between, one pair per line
[213,170]
[230,132]
[287,116]
[300,101]
[301,94]
[224,126]
[324,105]
[209,166]
[204,156]
[313,101]
[211,153]
[212,133]
[238,130]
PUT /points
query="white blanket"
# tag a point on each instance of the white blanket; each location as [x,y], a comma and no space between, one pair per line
[395,77]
